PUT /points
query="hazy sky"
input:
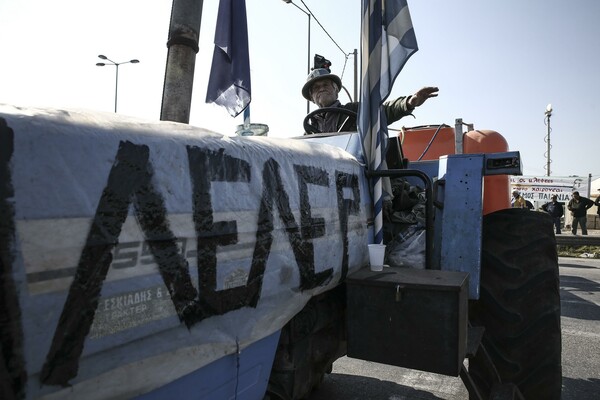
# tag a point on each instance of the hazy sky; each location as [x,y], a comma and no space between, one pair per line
[497,64]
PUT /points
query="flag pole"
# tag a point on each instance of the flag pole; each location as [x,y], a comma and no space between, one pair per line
[387,42]
[247,118]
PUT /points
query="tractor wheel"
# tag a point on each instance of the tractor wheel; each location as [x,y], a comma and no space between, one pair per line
[309,344]
[519,304]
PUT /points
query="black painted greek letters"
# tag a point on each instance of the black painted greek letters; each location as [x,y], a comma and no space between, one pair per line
[130,183]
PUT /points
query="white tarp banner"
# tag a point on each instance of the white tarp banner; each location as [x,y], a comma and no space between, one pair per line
[116,232]
[542,188]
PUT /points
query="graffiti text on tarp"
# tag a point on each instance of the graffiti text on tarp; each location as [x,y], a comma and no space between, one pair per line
[130,183]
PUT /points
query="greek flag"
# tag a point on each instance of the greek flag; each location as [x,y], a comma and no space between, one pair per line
[387,42]
[229,82]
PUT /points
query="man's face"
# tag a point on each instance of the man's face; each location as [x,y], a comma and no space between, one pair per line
[576,196]
[323,93]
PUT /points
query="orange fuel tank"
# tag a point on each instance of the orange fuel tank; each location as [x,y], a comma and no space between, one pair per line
[418,144]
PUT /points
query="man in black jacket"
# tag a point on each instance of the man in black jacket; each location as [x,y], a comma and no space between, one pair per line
[322,88]
[555,209]
[578,206]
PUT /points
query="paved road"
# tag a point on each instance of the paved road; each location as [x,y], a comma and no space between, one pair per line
[580,299]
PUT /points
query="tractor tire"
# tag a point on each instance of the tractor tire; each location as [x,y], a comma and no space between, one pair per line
[309,344]
[519,305]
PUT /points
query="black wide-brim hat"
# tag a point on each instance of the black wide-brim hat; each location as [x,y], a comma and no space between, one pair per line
[318,75]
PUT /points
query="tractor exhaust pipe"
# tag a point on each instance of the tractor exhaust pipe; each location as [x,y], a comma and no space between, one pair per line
[184,32]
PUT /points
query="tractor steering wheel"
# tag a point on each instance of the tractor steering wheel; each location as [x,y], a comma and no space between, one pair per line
[310,123]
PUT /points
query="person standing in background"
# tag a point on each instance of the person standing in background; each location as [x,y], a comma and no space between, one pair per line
[529,205]
[518,201]
[555,209]
[578,206]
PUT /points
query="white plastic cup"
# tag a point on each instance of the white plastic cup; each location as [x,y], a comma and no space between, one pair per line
[376,256]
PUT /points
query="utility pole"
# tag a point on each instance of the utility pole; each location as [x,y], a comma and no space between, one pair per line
[548,114]
[184,32]
[355,75]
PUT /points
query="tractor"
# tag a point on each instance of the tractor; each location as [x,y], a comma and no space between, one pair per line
[154,259]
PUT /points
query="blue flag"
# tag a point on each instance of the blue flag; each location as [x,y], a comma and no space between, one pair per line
[229,82]
[387,42]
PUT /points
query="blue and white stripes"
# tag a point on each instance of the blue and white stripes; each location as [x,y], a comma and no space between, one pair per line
[387,42]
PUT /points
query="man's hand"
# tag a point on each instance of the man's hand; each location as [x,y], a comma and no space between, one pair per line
[421,95]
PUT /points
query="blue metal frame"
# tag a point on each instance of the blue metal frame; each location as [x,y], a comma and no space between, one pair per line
[459,222]
[458,204]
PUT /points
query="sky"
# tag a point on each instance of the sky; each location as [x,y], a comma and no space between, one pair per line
[498,64]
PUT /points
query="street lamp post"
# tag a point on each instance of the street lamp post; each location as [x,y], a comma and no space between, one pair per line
[548,114]
[308,53]
[116,64]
